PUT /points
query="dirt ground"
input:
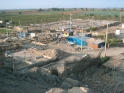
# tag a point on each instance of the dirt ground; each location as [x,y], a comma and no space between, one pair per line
[10,83]
[33,82]
[22,84]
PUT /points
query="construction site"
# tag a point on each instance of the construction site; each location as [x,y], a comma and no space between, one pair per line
[63,57]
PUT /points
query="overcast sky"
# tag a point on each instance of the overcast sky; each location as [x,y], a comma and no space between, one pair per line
[31,4]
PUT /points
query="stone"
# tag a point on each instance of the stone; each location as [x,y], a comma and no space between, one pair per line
[74,83]
[66,85]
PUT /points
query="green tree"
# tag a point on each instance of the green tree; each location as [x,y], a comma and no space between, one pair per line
[111,42]
[116,15]
[114,9]
[109,15]
[40,9]
[4,21]
[121,9]
[109,9]
[3,12]
[104,9]
[101,36]
[20,12]
[92,29]
[75,9]
[62,9]
[91,14]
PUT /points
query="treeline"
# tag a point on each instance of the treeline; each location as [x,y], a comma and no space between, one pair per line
[83,9]
[52,9]
[91,14]
[57,9]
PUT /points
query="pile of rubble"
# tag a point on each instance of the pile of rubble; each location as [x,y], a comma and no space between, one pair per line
[45,38]
[34,51]
[10,44]
[54,53]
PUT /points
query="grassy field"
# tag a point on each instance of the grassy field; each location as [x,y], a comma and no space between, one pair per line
[4,31]
[35,17]
[27,18]
[103,13]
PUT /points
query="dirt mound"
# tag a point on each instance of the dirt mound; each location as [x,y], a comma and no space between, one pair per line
[17,29]
[80,90]
[56,90]
[33,50]
[55,53]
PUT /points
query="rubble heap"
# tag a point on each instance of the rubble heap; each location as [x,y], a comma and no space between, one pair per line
[55,53]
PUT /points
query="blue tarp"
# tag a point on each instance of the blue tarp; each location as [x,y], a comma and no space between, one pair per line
[22,34]
[79,40]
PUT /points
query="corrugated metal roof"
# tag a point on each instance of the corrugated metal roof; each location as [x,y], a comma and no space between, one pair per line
[80,37]
[98,41]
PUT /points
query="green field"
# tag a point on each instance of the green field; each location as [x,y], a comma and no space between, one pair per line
[4,31]
[35,17]
[103,13]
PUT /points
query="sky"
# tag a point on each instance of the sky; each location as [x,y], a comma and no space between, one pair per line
[36,4]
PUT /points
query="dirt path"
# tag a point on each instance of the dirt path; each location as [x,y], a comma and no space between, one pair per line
[109,52]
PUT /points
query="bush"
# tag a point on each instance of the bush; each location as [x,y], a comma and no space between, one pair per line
[20,12]
[92,28]
[116,15]
[2,25]
[104,59]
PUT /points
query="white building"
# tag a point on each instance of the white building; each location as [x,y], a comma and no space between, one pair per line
[1,21]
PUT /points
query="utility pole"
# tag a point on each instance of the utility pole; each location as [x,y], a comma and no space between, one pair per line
[19,24]
[82,39]
[120,17]
[6,30]
[106,40]
[70,22]
[11,22]
[92,20]
[41,25]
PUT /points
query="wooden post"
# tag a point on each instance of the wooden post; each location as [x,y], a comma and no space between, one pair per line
[82,39]
[106,40]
